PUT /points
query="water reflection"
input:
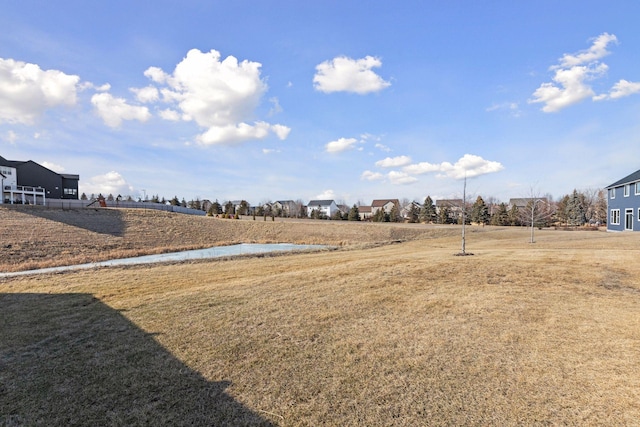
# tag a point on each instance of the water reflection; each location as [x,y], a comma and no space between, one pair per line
[215,252]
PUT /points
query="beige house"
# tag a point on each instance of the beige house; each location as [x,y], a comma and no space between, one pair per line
[386,204]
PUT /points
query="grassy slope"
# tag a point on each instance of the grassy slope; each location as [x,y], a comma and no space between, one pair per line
[403,334]
[36,237]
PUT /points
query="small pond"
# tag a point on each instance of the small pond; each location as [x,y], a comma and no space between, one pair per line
[215,252]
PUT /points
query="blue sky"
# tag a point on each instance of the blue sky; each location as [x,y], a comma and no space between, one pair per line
[345,100]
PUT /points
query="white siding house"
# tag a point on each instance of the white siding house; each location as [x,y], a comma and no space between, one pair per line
[325,207]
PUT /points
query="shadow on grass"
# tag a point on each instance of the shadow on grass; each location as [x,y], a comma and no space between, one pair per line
[98,220]
[69,359]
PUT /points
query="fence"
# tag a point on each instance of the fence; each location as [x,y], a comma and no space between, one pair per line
[78,204]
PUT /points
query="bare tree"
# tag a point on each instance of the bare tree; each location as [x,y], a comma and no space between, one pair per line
[537,212]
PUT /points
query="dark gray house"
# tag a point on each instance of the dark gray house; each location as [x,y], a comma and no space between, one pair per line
[30,177]
[623,204]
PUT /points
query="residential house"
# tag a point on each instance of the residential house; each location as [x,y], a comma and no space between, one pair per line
[286,208]
[365,213]
[29,182]
[623,204]
[386,204]
[524,202]
[323,207]
[453,205]
[405,212]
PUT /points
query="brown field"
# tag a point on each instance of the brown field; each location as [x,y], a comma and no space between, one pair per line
[371,334]
[37,237]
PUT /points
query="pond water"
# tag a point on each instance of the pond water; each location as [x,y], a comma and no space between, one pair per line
[215,252]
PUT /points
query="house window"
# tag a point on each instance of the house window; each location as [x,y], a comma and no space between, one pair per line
[627,190]
[612,193]
[70,192]
[615,216]
[637,188]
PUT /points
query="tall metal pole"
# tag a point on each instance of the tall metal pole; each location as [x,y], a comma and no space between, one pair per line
[464,219]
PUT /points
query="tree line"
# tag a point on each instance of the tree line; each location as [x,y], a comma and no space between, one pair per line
[576,209]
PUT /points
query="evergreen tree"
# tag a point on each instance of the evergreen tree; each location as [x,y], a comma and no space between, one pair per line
[575,209]
[443,215]
[414,214]
[379,216]
[229,208]
[514,215]
[337,215]
[195,204]
[428,211]
[479,212]
[354,213]
[244,207]
[83,196]
[501,217]
[394,215]
[561,211]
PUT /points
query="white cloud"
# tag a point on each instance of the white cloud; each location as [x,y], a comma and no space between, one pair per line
[169,114]
[468,166]
[570,87]
[276,108]
[620,90]
[114,110]
[220,95]
[26,91]
[53,166]
[156,74]
[326,195]
[109,183]
[11,137]
[371,176]
[401,178]
[572,74]
[340,145]
[382,147]
[236,133]
[267,151]
[344,74]
[281,131]
[511,107]
[597,51]
[394,162]
[146,94]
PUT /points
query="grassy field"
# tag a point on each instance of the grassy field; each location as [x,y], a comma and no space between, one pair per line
[396,332]
[37,237]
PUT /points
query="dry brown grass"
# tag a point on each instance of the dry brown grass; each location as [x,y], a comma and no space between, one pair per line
[37,237]
[402,334]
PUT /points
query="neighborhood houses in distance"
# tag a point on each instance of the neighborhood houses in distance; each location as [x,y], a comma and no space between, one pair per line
[617,206]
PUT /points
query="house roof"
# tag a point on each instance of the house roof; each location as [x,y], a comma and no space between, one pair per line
[449,202]
[381,202]
[626,180]
[9,163]
[364,209]
[320,202]
[69,176]
[524,201]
